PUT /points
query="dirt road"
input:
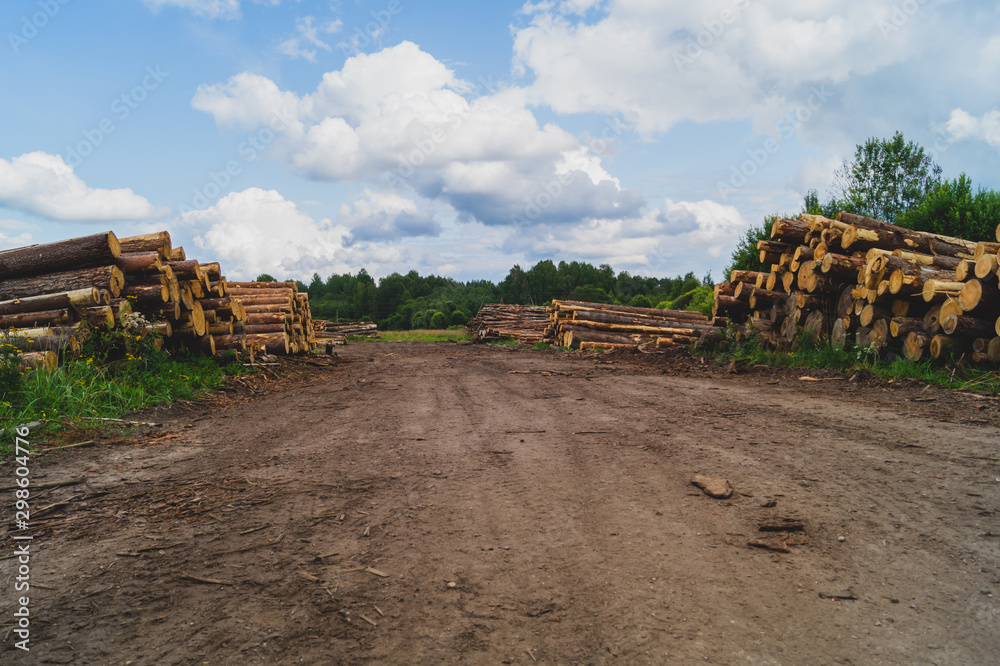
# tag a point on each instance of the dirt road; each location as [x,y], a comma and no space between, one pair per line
[440,503]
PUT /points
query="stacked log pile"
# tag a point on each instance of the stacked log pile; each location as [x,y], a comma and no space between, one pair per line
[524,323]
[52,294]
[277,316]
[856,279]
[48,291]
[583,325]
[325,331]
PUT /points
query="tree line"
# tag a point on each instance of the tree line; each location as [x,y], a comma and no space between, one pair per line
[413,301]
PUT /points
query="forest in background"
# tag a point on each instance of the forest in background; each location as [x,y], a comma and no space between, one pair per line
[412,301]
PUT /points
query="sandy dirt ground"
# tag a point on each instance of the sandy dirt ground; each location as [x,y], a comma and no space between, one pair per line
[446,503]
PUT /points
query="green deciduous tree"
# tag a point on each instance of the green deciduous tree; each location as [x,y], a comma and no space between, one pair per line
[952,209]
[886,178]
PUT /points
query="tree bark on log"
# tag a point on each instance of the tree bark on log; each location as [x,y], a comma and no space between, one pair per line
[265,328]
[900,327]
[75,253]
[147,294]
[575,337]
[789,231]
[158,242]
[940,344]
[267,318]
[58,317]
[140,262]
[912,280]
[962,325]
[221,328]
[739,276]
[225,342]
[103,277]
[264,285]
[80,298]
[100,316]
[274,343]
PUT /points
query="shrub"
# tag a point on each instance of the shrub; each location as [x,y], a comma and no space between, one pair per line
[439,321]
[640,301]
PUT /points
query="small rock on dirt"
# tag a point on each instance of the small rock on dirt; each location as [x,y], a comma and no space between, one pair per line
[717,488]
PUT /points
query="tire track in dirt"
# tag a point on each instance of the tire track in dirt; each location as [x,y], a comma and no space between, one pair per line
[560,507]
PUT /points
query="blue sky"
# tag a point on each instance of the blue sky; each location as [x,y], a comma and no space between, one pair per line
[458,138]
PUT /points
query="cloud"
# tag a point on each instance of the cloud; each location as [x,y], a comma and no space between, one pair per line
[215,9]
[963,125]
[669,240]
[43,184]
[10,240]
[308,35]
[399,116]
[259,231]
[658,63]
[386,216]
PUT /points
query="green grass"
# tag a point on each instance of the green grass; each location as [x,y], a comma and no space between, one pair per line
[108,382]
[951,373]
[423,335]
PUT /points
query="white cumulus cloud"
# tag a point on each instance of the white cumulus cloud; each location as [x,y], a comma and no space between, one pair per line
[963,125]
[259,231]
[43,184]
[658,62]
[401,116]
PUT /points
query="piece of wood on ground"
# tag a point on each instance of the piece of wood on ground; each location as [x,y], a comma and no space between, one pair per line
[769,545]
[207,581]
[781,524]
[714,487]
